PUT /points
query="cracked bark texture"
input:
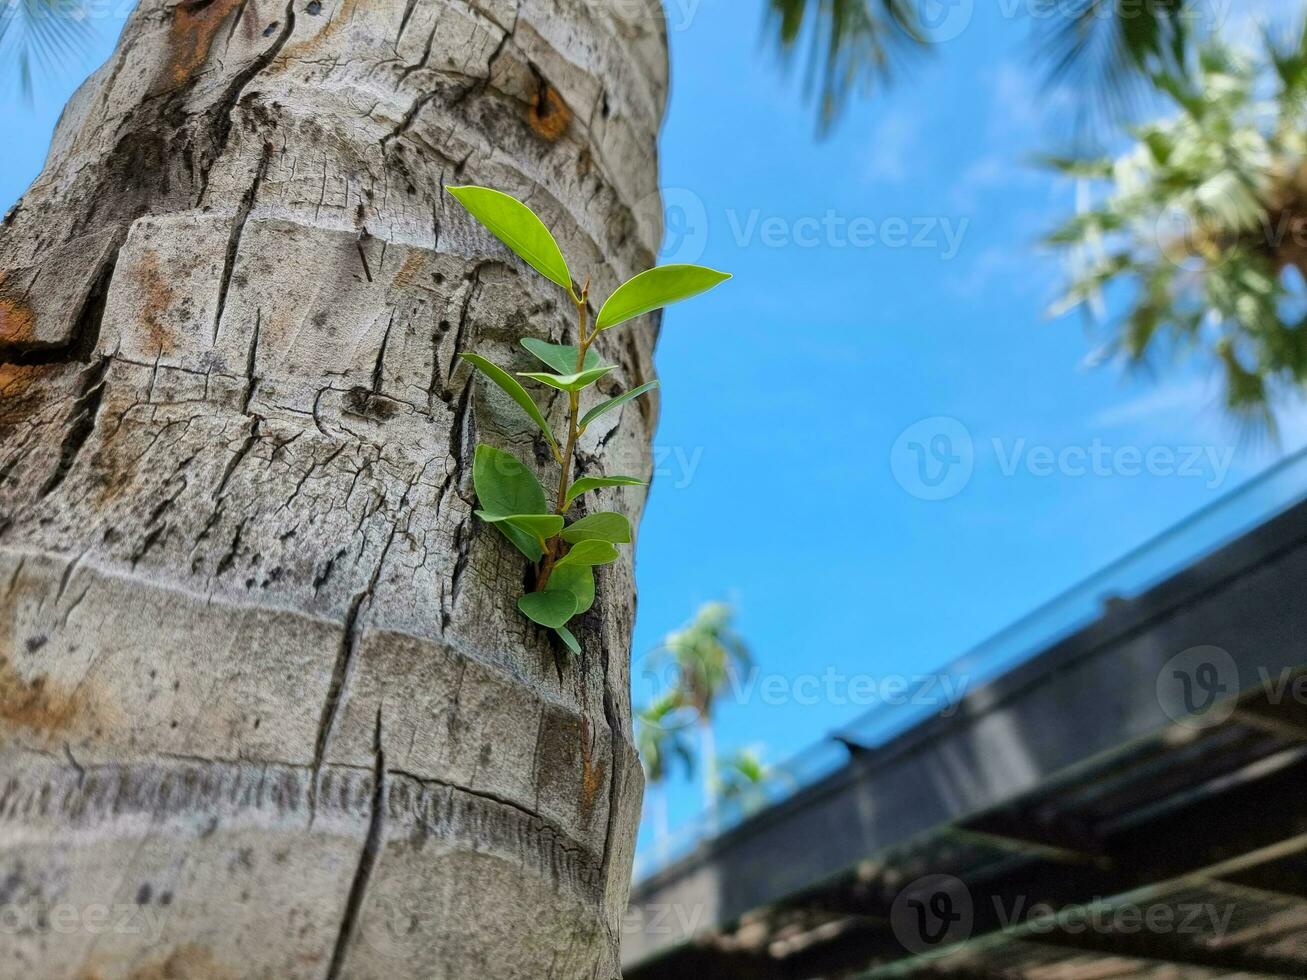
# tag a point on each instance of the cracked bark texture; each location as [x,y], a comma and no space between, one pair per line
[264,694]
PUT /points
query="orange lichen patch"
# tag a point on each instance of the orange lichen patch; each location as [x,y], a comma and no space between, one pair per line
[17,322]
[187,962]
[549,115]
[36,704]
[20,399]
[410,271]
[157,298]
[195,24]
[592,773]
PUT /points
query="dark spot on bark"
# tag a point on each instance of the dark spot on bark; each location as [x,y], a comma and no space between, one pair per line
[314,8]
[35,643]
[272,28]
[369,405]
[143,894]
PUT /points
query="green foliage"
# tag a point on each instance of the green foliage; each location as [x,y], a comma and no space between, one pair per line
[515,391]
[661,739]
[708,653]
[613,528]
[588,483]
[1199,228]
[548,608]
[852,44]
[617,402]
[740,778]
[517,226]
[511,497]
[655,289]
[561,357]
[569,382]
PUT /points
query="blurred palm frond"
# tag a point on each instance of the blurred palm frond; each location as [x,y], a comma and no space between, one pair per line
[853,45]
[43,36]
[1111,50]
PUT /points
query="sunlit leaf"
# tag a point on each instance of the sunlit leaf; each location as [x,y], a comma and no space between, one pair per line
[617,402]
[569,382]
[656,288]
[518,227]
[560,357]
[515,391]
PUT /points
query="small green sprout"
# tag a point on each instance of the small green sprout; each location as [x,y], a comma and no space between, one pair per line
[511,497]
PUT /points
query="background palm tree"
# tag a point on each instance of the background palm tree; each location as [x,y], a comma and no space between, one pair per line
[660,739]
[708,654]
[1104,50]
[740,779]
[1202,226]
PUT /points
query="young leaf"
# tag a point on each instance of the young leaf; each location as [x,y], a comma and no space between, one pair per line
[515,391]
[552,609]
[504,485]
[569,382]
[540,526]
[517,226]
[569,640]
[588,483]
[579,580]
[614,528]
[613,403]
[560,357]
[523,542]
[589,553]
[658,287]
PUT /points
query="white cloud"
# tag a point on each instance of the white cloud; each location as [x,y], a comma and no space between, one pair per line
[893,148]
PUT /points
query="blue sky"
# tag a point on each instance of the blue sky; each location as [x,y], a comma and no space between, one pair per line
[884,276]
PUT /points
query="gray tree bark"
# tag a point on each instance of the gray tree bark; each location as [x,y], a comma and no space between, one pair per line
[266,706]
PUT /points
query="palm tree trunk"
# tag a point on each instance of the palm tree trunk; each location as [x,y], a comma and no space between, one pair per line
[708,751]
[264,694]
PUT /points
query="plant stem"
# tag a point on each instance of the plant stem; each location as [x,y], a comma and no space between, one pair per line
[573,433]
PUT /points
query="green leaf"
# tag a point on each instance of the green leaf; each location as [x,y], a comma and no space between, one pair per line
[523,542]
[613,403]
[658,287]
[614,528]
[552,609]
[588,483]
[589,553]
[504,485]
[515,391]
[517,226]
[579,580]
[540,526]
[560,357]
[571,641]
[569,382]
